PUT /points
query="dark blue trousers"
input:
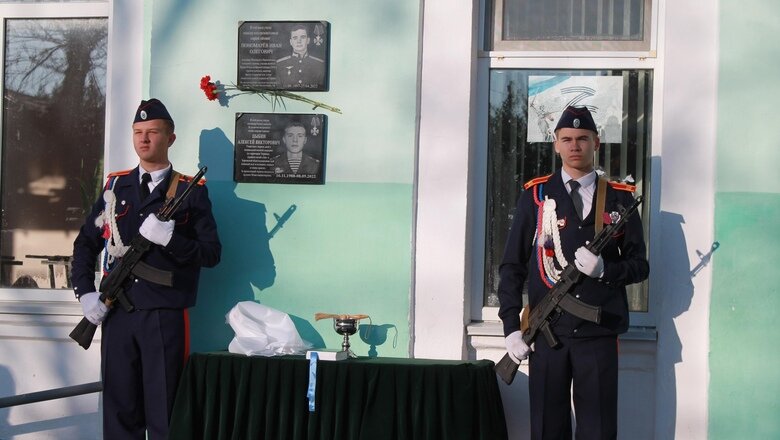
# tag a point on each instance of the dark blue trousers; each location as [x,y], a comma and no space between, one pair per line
[143,355]
[589,368]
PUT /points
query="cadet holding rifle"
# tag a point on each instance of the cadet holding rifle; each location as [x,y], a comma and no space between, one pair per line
[555,218]
[145,334]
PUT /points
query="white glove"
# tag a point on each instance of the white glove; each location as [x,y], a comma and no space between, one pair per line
[589,263]
[93,308]
[516,347]
[156,230]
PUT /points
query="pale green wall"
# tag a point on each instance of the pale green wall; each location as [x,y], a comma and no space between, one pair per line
[347,247]
[744,393]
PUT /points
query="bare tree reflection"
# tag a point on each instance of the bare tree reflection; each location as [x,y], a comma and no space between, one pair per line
[53,113]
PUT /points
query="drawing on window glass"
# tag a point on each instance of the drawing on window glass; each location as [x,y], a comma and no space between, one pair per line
[548,95]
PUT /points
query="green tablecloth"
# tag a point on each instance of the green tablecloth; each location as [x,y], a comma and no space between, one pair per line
[227,396]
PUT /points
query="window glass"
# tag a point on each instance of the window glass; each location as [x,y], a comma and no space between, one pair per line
[571,25]
[52,143]
[524,106]
[53,1]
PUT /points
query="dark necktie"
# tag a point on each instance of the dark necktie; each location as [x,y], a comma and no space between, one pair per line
[576,198]
[145,179]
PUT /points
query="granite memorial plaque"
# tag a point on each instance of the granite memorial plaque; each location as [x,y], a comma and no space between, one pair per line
[280,148]
[283,55]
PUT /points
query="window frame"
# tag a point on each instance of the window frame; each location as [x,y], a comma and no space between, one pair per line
[47,300]
[608,61]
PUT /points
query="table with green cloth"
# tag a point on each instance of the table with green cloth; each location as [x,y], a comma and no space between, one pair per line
[230,396]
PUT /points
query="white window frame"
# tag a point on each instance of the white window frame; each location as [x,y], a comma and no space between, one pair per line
[551,61]
[451,171]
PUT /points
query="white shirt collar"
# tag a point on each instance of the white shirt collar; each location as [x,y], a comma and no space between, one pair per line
[585,181]
[157,176]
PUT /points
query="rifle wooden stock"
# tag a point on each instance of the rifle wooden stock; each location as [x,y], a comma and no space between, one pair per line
[112,285]
[558,298]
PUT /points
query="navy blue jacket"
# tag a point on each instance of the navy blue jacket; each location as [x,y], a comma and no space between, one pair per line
[194,244]
[625,261]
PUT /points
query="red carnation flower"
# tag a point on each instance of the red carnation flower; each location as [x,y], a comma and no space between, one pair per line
[209,88]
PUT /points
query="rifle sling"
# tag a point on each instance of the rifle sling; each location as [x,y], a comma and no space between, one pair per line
[601,200]
[174,183]
[524,324]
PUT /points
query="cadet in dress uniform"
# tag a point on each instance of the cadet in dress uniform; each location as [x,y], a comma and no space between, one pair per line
[300,70]
[552,223]
[143,352]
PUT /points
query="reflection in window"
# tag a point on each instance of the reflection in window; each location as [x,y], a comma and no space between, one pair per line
[53,1]
[570,25]
[520,146]
[573,20]
[52,144]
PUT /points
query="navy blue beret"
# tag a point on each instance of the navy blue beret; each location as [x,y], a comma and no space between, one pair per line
[577,117]
[151,109]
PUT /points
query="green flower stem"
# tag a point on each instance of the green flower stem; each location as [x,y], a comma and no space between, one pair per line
[278,96]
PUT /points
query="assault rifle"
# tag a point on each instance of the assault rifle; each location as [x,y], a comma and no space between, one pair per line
[111,285]
[558,298]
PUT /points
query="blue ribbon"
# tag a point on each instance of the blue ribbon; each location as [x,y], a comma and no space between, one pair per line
[313,356]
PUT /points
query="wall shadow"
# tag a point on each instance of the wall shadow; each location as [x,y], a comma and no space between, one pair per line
[80,426]
[7,389]
[247,262]
[677,294]
[376,335]
[308,332]
[515,396]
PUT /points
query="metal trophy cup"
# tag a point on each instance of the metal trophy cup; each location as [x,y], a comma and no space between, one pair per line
[346,325]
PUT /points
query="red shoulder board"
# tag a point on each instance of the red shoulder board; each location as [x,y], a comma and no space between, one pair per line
[113,176]
[536,181]
[622,186]
[188,179]
[120,173]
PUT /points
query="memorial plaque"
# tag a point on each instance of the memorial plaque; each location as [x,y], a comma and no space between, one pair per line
[283,55]
[279,148]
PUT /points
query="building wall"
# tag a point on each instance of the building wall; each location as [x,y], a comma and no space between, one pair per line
[744,378]
[681,281]
[445,185]
[347,247]
[388,234]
